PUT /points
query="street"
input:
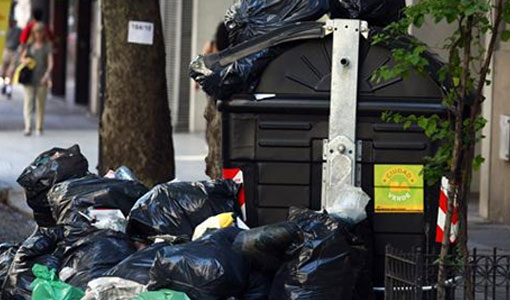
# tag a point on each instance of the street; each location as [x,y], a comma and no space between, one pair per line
[14,227]
[65,125]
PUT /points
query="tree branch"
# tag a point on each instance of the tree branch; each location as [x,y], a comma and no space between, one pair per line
[498,17]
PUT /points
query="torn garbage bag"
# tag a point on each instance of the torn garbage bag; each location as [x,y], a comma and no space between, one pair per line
[47,286]
[176,208]
[249,18]
[266,246]
[243,75]
[136,266]
[69,198]
[37,249]
[204,269]
[49,168]
[112,288]
[325,266]
[7,253]
[92,254]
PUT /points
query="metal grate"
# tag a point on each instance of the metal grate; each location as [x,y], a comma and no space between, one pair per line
[412,276]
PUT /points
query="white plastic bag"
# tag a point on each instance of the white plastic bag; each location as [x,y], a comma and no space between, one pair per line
[109,288]
[349,204]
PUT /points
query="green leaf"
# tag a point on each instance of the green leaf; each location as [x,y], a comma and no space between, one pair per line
[407,124]
[418,21]
[505,35]
[477,162]
[386,116]
[431,128]
[456,81]
[423,122]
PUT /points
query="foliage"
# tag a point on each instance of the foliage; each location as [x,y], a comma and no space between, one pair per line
[476,28]
[471,19]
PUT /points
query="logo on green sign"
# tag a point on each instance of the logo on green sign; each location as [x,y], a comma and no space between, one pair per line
[398,188]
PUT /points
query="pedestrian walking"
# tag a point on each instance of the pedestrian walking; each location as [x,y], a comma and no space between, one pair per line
[39,50]
[37,17]
[211,114]
[9,57]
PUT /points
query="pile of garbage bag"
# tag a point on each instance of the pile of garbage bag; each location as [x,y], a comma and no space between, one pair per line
[176,208]
[180,240]
[247,19]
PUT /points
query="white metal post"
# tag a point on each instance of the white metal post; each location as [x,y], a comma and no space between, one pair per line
[340,149]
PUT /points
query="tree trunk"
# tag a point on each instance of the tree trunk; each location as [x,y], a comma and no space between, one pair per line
[135,127]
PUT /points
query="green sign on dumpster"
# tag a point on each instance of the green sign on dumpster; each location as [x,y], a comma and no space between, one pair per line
[398,188]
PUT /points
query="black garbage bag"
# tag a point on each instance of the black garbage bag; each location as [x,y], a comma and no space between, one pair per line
[93,254]
[266,246]
[259,286]
[49,168]
[177,208]
[325,266]
[376,12]
[249,18]
[362,243]
[7,253]
[37,249]
[204,269]
[242,75]
[136,266]
[70,197]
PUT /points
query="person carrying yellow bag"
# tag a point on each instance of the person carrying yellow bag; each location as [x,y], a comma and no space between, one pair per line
[37,54]
[23,73]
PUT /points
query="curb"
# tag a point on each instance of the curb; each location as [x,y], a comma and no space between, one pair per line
[4,195]
[15,199]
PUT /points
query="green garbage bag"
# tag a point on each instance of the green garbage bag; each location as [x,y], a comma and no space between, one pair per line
[47,286]
[162,295]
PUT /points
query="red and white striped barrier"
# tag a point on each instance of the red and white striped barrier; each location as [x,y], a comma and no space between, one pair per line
[237,176]
[441,214]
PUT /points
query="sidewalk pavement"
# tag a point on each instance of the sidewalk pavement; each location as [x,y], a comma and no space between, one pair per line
[67,125]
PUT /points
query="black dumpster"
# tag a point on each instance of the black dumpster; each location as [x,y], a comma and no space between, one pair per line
[275,136]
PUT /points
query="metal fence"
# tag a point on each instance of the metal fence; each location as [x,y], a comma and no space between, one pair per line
[413,276]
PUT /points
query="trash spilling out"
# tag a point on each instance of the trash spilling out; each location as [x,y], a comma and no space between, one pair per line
[113,238]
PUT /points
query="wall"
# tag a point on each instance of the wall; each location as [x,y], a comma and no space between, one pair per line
[499,187]
[206,16]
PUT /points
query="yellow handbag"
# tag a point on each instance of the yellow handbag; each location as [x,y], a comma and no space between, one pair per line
[23,73]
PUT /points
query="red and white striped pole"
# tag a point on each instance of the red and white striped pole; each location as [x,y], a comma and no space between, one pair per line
[237,176]
[441,214]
